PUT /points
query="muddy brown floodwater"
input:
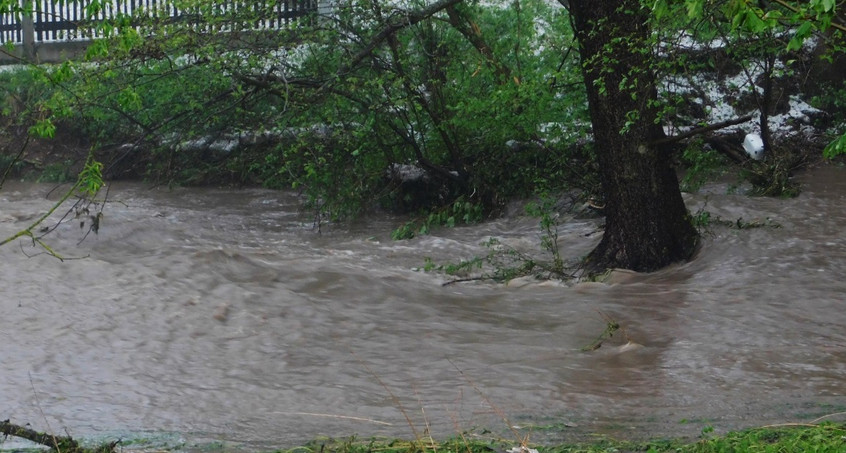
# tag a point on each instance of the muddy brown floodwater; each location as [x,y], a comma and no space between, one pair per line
[222,315]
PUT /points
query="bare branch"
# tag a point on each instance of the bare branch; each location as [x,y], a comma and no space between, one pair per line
[700,131]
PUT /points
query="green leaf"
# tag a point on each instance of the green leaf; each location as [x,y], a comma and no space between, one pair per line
[835,148]
[97,49]
[695,8]
[91,177]
[753,22]
[660,9]
[128,99]
[63,73]
[828,5]
[802,33]
[92,9]
[43,128]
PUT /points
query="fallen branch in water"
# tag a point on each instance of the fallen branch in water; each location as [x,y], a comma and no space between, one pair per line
[63,444]
[470,279]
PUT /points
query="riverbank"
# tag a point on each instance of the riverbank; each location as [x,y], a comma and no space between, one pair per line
[788,437]
[826,437]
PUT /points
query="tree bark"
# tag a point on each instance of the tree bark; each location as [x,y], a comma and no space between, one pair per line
[647,224]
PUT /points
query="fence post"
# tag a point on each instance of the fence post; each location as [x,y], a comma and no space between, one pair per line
[28,36]
[325,8]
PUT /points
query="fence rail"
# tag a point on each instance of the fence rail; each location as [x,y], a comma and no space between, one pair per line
[68,22]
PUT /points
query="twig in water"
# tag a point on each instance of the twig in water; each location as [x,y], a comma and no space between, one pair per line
[394,397]
[810,424]
[611,327]
[462,280]
[521,439]
[432,444]
[343,417]
[38,403]
[60,444]
[827,416]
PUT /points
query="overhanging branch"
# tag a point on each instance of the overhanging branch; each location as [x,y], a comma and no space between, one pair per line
[411,18]
[796,10]
[700,131]
[408,19]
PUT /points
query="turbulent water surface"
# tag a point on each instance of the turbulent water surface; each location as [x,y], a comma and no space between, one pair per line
[223,315]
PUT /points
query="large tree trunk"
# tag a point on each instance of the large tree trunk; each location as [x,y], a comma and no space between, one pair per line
[647,224]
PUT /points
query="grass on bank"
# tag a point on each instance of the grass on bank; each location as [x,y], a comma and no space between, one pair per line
[822,438]
[826,437]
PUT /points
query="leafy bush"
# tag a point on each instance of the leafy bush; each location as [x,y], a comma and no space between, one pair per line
[485,112]
[701,165]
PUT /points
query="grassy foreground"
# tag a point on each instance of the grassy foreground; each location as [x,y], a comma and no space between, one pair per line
[825,437]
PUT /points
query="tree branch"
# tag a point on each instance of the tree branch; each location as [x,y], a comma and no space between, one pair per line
[408,19]
[796,10]
[699,131]
[10,429]
[63,444]
[465,26]
[411,18]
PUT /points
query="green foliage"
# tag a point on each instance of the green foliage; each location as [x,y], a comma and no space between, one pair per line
[500,264]
[544,209]
[461,268]
[835,148]
[772,178]
[701,165]
[832,98]
[149,100]
[483,99]
[611,328]
[9,164]
[90,179]
[753,17]
[449,94]
[25,105]
[822,438]
[758,35]
[703,220]
[59,172]
[411,114]
[503,263]
[460,212]
[43,128]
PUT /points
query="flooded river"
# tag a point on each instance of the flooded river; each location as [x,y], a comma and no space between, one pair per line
[222,315]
